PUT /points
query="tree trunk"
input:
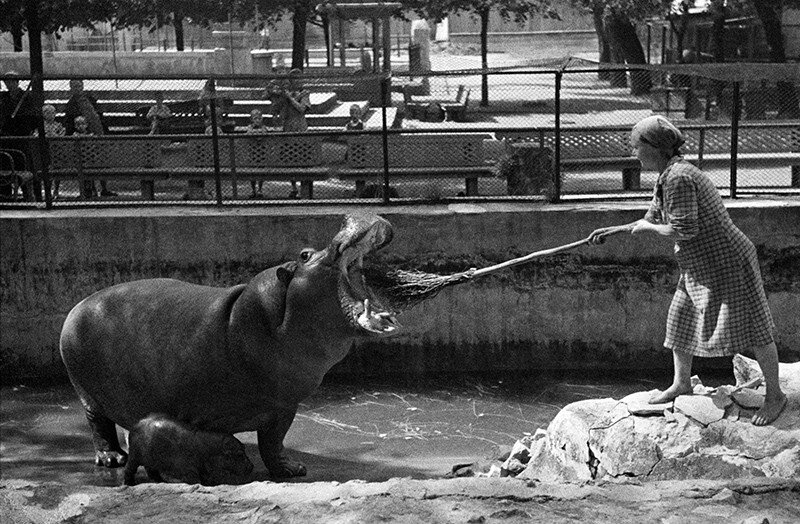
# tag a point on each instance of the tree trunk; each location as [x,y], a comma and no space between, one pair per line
[718,30]
[326,32]
[626,42]
[299,19]
[769,13]
[16,35]
[177,23]
[604,50]
[484,56]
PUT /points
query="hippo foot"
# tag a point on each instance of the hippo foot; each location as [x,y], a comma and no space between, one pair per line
[286,468]
[110,459]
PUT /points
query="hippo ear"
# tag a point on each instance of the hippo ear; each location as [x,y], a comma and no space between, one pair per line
[286,272]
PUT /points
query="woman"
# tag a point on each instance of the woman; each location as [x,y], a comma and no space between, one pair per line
[719,307]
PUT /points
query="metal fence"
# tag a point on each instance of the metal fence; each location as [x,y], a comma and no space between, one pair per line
[548,133]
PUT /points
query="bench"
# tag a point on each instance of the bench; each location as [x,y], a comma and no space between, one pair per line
[456,111]
[151,158]
[98,158]
[187,117]
[595,149]
[763,145]
[421,155]
[249,157]
[420,107]
[15,175]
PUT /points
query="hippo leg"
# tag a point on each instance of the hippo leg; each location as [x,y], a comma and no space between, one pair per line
[107,451]
[270,447]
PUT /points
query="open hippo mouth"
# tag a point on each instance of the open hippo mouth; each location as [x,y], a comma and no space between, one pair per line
[362,235]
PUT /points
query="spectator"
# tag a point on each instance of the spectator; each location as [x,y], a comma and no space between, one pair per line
[84,104]
[51,128]
[80,127]
[18,119]
[158,115]
[208,122]
[256,127]
[293,104]
[204,97]
[355,123]
[17,114]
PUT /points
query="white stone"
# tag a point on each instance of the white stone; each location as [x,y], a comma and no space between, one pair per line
[697,440]
[700,408]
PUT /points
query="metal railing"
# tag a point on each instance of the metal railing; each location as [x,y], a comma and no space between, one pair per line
[523,133]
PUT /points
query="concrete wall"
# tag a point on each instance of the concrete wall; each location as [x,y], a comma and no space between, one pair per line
[88,63]
[600,307]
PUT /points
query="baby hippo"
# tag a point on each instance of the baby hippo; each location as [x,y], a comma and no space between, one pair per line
[165,446]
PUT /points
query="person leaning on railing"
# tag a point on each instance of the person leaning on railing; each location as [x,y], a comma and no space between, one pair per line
[83,104]
[719,307]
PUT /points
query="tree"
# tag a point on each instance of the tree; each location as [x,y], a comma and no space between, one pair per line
[54,15]
[516,10]
[155,14]
[616,34]
[303,12]
[769,12]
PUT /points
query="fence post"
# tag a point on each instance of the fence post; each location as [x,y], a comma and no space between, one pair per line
[557,143]
[735,110]
[215,141]
[385,96]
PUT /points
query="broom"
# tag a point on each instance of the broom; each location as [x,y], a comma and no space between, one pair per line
[404,289]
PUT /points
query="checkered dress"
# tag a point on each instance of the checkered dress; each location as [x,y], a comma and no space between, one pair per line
[719,307]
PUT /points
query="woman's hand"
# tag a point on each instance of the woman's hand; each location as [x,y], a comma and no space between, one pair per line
[641,226]
[598,236]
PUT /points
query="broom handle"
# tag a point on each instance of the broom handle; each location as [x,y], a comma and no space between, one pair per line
[529,257]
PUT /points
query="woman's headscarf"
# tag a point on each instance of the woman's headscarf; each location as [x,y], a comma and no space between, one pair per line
[658,132]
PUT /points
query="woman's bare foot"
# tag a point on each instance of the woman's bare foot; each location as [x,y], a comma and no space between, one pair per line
[670,394]
[769,411]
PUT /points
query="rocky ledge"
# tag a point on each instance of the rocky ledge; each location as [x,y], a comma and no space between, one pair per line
[704,435]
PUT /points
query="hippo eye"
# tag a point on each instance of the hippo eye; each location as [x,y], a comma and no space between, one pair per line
[305,255]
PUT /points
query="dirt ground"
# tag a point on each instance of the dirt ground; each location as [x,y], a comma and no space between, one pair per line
[472,500]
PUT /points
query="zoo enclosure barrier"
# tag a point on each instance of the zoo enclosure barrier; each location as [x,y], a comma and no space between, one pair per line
[554,132]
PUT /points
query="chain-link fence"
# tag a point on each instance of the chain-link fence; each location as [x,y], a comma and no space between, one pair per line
[520,133]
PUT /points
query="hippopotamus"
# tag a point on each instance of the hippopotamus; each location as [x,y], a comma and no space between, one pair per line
[227,360]
[165,446]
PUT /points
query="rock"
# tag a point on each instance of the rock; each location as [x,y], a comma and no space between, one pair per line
[596,439]
[745,369]
[700,408]
[748,399]
[638,404]
[726,495]
[756,520]
[564,453]
[517,459]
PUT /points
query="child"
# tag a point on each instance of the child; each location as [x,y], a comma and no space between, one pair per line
[158,114]
[355,123]
[82,127]
[256,127]
[51,128]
